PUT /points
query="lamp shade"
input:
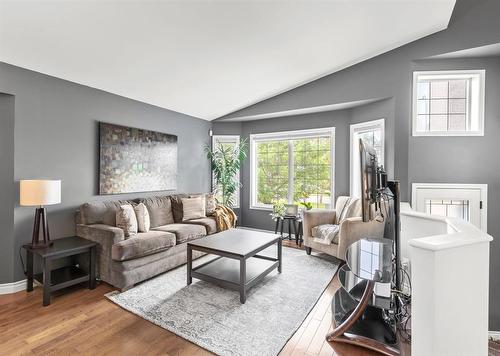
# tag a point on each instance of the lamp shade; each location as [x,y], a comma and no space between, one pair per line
[39,192]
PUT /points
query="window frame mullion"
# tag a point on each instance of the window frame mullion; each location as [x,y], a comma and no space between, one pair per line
[290,172]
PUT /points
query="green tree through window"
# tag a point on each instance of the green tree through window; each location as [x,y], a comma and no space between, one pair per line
[294,170]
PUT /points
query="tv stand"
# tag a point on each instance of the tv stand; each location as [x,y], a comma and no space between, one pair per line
[359,316]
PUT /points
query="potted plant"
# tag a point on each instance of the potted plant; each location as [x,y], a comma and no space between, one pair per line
[226,161]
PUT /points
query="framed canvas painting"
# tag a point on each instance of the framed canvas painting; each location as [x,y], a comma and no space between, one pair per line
[134,160]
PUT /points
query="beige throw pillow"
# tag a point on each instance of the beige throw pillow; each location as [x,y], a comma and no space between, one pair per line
[193,208]
[126,220]
[142,215]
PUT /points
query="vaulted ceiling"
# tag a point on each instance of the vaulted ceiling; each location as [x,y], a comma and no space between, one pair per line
[207,58]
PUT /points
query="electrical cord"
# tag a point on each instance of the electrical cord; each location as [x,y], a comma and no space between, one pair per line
[22,262]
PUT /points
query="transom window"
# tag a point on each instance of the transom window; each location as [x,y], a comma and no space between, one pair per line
[292,167]
[448,103]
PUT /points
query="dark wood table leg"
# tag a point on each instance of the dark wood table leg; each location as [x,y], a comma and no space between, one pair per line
[189,264]
[243,280]
[294,224]
[46,281]
[92,261]
[277,225]
[279,255]
[289,229]
[281,231]
[29,267]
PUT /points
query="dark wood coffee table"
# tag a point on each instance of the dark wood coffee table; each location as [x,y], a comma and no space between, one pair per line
[238,267]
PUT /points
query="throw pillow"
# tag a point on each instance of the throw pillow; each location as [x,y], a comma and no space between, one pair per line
[193,208]
[327,233]
[142,215]
[210,203]
[126,220]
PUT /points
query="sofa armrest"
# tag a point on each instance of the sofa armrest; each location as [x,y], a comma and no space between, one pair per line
[106,236]
[354,229]
[314,218]
[100,233]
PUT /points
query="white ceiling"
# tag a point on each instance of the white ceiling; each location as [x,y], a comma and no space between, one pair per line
[207,58]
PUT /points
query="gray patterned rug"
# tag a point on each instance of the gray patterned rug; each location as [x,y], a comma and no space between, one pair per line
[214,318]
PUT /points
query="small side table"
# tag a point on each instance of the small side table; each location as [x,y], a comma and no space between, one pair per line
[56,279]
[295,223]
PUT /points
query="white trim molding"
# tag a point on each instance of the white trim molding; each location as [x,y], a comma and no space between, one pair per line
[282,136]
[483,188]
[475,102]
[14,287]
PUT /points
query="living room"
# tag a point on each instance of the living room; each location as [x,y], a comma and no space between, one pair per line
[196,172]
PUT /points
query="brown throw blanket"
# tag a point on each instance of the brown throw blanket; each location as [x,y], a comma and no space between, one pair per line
[224,217]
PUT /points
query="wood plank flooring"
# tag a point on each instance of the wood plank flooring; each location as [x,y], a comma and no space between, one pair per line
[82,321]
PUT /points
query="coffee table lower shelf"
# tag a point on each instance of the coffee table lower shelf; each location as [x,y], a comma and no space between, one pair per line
[239,275]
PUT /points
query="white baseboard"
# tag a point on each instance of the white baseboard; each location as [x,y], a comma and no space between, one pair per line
[494,335]
[8,288]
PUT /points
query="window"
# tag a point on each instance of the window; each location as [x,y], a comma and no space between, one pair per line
[464,201]
[372,133]
[231,141]
[448,103]
[291,167]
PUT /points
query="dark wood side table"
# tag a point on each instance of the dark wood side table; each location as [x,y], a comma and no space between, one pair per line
[59,278]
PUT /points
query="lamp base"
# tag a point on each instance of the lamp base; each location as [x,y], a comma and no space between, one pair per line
[40,218]
[40,245]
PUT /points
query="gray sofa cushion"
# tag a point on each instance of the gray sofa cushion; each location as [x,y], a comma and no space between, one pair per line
[184,232]
[101,212]
[160,210]
[209,223]
[142,244]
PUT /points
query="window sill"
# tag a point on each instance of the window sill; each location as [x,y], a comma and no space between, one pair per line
[448,134]
[265,208]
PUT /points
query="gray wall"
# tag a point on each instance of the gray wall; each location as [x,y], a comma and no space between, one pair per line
[7,187]
[340,119]
[417,159]
[56,137]
[468,160]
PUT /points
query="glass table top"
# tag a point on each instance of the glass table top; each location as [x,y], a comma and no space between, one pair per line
[356,286]
[371,259]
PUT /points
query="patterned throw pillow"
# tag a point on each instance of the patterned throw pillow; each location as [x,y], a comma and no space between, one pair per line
[126,220]
[193,208]
[210,204]
[142,215]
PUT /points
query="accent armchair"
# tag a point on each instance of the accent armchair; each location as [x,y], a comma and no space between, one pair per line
[347,215]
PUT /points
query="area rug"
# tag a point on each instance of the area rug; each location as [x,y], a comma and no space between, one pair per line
[214,318]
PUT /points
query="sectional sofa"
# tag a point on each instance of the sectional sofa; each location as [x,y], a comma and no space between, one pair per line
[123,262]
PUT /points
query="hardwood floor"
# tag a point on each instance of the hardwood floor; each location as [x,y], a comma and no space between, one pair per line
[84,322]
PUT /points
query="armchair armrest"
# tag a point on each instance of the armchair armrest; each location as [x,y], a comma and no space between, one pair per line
[354,229]
[314,218]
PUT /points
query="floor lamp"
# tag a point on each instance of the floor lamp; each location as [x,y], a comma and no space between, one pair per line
[40,193]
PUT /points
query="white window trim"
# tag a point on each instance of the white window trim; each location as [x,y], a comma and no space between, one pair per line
[360,127]
[231,139]
[457,74]
[482,187]
[286,135]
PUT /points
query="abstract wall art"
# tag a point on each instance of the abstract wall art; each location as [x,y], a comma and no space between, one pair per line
[133,160]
